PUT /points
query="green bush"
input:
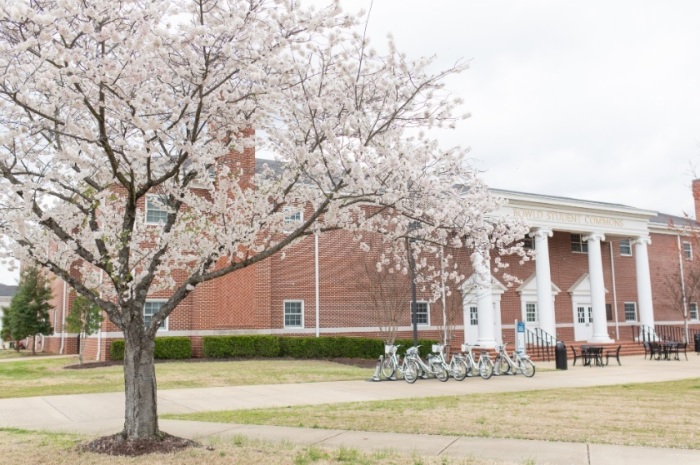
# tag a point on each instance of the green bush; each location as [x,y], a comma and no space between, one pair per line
[171,348]
[116,350]
[241,346]
[166,348]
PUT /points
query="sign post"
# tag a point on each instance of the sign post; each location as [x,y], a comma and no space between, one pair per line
[520,337]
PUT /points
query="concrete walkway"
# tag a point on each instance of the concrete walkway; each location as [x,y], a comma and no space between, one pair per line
[101,414]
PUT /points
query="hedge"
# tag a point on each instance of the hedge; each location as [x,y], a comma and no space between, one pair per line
[240,346]
[274,346]
[302,347]
[166,348]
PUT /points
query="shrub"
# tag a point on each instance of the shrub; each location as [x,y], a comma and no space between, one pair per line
[241,346]
[167,348]
[170,348]
[116,350]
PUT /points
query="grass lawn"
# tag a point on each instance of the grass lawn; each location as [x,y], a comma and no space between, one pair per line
[653,414]
[28,447]
[30,376]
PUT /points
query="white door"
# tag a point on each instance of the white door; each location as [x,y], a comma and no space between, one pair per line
[583,321]
[471,326]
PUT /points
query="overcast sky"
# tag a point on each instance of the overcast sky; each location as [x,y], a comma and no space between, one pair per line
[597,100]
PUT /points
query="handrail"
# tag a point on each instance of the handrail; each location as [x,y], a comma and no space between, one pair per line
[644,333]
[540,344]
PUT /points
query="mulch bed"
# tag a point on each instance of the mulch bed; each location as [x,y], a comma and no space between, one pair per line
[117,445]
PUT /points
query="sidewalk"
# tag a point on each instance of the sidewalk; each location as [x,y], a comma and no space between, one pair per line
[101,414]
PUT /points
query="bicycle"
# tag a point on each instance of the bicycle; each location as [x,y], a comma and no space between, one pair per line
[520,363]
[434,366]
[457,368]
[484,366]
[391,363]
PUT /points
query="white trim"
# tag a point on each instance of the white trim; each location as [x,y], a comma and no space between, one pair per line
[629,244]
[284,314]
[145,210]
[165,322]
[636,312]
[427,304]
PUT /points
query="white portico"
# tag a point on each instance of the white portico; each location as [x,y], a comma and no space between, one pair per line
[592,227]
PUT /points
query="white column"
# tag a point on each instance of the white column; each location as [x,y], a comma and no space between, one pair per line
[545,304]
[646,307]
[484,304]
[595,273]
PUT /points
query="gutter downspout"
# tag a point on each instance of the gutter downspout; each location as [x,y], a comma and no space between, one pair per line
[685,299]
[316,270]
[99,333]
[63,317]
[614,289]
[444,301]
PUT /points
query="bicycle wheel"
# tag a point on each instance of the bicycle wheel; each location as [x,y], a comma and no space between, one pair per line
[471,367]
[501,366]
[458,368]
[485,368]
[388,367]
[526,367]
[410,371]
[440,371]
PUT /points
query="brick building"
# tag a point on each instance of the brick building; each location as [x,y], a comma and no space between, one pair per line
[603,273]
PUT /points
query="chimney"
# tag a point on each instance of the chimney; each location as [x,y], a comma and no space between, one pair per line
[696,198]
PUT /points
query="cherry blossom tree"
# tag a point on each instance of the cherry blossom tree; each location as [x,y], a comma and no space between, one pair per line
[107,105]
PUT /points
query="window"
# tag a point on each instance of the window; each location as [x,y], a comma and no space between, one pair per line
[292,217]
[581,314]
[688,250]
[630,311]
[156,211]
[578,244]
[531,312]
[529,243]
[608,312]
[150,308]
[626,247]
[693,311]
[293,313]
[422,313]
[473,316]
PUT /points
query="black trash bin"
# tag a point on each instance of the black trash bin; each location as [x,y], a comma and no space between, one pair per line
[697,342]
[560,356]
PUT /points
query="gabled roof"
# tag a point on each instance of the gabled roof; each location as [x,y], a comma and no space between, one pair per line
[7,290]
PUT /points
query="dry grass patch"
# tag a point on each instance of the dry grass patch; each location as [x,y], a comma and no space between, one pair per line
[29,377]
[28,447]
[653,414]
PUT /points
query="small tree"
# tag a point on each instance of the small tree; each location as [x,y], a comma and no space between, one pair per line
[85,318]
[29,308]
[6,332]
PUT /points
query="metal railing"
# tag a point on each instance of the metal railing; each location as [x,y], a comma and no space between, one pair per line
[644,333]
[540,344]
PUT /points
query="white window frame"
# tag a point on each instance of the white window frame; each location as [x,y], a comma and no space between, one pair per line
[687,250]
[474,316]
[577,242]
[536,312]
[427,312]
[293,217]
[164,325]
[149,197]
[693,311]
[628,243]
[284,314]
[636,316]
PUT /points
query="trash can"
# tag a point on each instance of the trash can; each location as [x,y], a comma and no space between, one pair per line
[560,355]
[697,342]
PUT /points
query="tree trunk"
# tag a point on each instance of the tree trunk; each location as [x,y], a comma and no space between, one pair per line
[34,345]
[141,414]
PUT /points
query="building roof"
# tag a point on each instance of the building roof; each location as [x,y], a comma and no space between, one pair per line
[7,290]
